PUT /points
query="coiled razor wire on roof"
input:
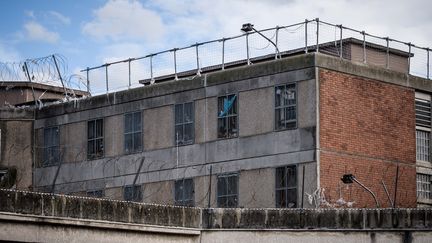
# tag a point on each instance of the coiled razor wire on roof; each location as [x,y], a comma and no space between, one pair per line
[50,70]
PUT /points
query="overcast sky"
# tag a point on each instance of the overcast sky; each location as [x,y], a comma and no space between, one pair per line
[89,33]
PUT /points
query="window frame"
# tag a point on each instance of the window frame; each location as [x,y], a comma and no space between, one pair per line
[284,107]
[183,124]
[133,132]
[95,139]
[419,190]
[227,196]
[183,201]
[286,188]
[95,193]
[136,193]
[46,162]
[227,117]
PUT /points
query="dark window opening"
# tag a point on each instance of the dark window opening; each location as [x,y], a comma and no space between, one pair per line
[227,116]
[227,191]
[132,193]
[285,107]
[51,155]
[95,143]
[184,192]
[96,193]
[132,132]
[286,187]
[184,123]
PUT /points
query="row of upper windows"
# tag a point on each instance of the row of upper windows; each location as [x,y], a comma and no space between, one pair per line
[227,193]
[227,125]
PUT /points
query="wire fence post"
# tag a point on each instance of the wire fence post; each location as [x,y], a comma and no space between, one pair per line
[175,64]
[223,53]
[317,35]
[129,67]
[306,36]
[364,46]
[387,53]
[197,59]
[88,80]
[409,57]
[247,49]
[59,74]
[340,42]
[151,70]
[106,77]
[428,64]
[276,42]
[27,71]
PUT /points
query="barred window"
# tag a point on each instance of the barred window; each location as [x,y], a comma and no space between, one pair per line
[227,190]
[424,186]
[286,187]
[423,128]
[227,116]
[51,155]
[96,193]
[132,193]
[285,107]
[184,123]
[184,192]
[132,132]
[95,139]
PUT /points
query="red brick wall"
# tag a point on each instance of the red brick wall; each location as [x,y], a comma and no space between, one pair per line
[367,128]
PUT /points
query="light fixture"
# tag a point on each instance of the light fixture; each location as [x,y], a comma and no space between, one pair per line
[350,178]
[248,27]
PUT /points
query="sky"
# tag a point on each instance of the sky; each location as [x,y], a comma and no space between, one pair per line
[90,33]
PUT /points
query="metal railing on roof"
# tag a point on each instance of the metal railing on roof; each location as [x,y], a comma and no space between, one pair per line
[245,49]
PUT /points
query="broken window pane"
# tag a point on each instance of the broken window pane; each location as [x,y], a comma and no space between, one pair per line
[132,136]
[286,186]
[95,142]
[227,116]
[184,123]
[285,107]
[184,192]
[51,153]
[227,190]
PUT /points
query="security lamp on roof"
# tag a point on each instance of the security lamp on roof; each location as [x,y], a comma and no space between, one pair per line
[247,27]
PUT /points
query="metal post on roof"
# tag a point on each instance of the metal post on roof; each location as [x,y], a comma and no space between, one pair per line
[428,64]
[106,77]
[129,66]
[197,59]
[317,35]
[88,80]
[223,53]
[340,42]
[306,36]
[151,70]
[364,46]
[59,74]
[276,42]
[175,64]
[247,49]
[387,53]
[409,57]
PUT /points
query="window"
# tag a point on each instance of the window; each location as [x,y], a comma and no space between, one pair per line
[227,190]
[286,187]
[227,116]
[285,107]
[96,193]
[51,154]
[184,192]
[424,188]
[132,132]
[423,127]
[132,193]
[184,123]
[95,143]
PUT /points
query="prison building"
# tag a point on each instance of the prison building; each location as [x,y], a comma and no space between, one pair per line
[278,133]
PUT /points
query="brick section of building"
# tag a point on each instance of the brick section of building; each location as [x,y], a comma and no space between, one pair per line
[367,128]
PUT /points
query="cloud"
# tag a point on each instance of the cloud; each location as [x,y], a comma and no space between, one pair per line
[120,20]
[63,19]
[8,54]
[37,32]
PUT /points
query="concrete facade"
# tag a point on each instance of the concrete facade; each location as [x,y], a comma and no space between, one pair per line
[347,121]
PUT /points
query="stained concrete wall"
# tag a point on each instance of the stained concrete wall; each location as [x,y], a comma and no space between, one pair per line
[257,147]
[16,127]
